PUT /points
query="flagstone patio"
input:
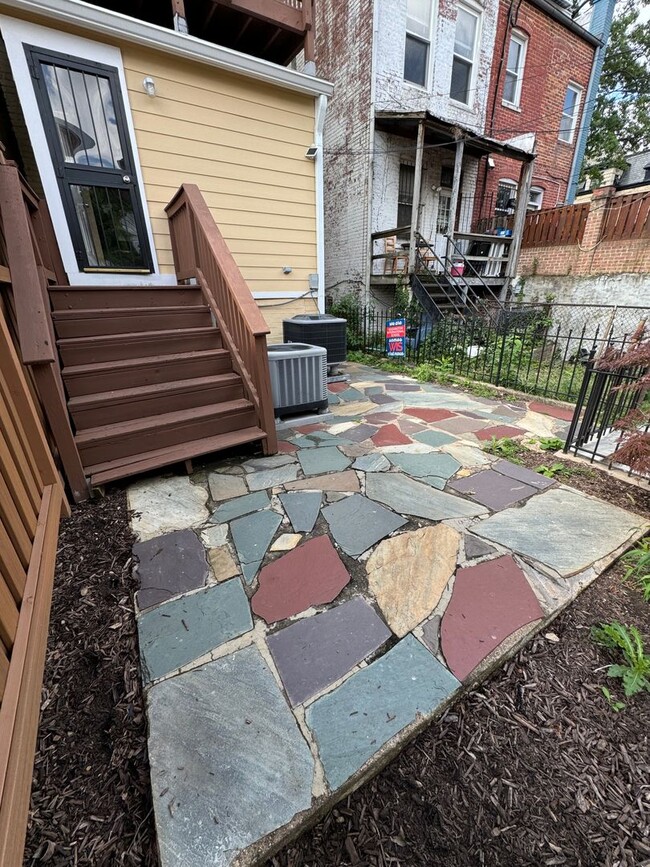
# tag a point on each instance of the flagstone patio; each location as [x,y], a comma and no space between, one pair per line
[303,615]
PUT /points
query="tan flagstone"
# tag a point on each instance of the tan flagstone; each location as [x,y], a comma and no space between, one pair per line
[346,481]
[408,573]
[286,542]
[222,563]
[359,407]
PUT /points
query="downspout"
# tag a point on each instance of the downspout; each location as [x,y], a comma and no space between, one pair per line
[319,124]
[371,150]
[600,25]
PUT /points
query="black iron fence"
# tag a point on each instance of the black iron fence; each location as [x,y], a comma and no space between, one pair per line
[538,348]
[606,397]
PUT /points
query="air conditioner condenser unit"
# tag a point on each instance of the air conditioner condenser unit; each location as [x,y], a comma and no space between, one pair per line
[298,377]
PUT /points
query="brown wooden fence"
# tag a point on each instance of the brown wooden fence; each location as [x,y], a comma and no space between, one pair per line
[627,217]
[556,226]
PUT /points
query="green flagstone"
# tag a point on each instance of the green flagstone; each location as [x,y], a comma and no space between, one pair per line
[174,634]
[408,497]
[302,508]
[356,719]
[229,763]
[437,464]
[326,459]
[240,506]
[434,438]
[356,523]
[252,535]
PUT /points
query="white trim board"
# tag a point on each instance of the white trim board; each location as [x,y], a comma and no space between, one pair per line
[115,25]
[16,35]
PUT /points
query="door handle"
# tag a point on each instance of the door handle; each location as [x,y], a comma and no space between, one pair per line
[126,179]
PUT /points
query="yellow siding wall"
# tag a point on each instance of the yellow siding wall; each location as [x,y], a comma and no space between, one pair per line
[243,143]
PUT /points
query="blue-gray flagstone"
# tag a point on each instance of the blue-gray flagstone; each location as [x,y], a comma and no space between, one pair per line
[356,523]
[438,464]
[240,506]
[252,535]
[228,761]
[268,463]
[562,529]
[316,651]
[262,479]
[356,719]
[522,474]
[409,497]
[326,459]
[373,463]
[168,565]
[302,507]
[434,438]
[174,634]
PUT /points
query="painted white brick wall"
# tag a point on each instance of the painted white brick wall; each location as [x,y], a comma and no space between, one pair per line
[395,94]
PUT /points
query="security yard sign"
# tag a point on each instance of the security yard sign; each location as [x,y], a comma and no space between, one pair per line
[396,338]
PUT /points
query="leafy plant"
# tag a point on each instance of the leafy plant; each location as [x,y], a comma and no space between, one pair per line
[635,671]
[615,705]
[638,567]
[553,471]
[505,448]
[550,444]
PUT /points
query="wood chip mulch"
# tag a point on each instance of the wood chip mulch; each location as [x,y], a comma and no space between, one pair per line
[533,768]
[91,799]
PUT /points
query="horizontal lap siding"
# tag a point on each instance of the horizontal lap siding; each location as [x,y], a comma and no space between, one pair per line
[243,144]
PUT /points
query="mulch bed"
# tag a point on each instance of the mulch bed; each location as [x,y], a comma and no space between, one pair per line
[91,798]
[533,768]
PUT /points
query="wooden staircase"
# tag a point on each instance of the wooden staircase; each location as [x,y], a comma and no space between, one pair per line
[149,381]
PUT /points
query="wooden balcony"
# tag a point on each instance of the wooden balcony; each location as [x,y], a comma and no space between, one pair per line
[274,30]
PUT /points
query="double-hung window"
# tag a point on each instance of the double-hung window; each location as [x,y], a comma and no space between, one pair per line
[465,49]
[405,195]
[515,70]
[418,41]
[570,112]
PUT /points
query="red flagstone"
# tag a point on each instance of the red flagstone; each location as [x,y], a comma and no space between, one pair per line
[488,603]
[311,574]
[501,430]
[336,387]
[390,435]
[554,411]
[377,417]
[429,414]
[286,448]
[410,427]
[309,428]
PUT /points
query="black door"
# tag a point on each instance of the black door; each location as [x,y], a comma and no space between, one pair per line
[85,124]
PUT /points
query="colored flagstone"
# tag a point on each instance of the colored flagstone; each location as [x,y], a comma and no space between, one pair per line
[434,438]
[522,474]
[428,415]
[241,506]
[361,432]
[489,602]
[252,535]
[175,634]
[408,497]
[356,719]
[431,464]
[302,508]
[225,487]
[228,761]
[327,459]
[562,529]
[268,463]
[346,481]
[390,435]
[311,574]
[263,479]
[163,505]
[493,489]
[475,548]
[356,523]
[373,463]
[560,412]
[500,431]
[408,573]
[461,424]
[169,565]
[316,651]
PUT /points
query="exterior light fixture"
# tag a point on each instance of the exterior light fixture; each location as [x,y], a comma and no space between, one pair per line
[311,152]
[149,86]
[287,269]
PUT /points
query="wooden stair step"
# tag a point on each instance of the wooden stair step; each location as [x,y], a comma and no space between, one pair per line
[96,410]
[110,471]
[82,379]
[127,438]
[103,321]
[117,347]
[94,297]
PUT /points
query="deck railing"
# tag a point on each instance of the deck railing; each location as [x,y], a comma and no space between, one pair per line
[31,503]
[31,260]
[201,253]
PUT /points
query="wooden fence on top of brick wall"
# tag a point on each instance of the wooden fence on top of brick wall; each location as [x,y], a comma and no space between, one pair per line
[627,217]
[556,226]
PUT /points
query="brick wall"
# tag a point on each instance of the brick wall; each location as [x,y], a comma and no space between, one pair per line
[555,56]
[593,255]
[344,57]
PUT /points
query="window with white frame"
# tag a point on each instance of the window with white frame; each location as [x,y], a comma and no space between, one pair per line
[535,199]
[466,41]
[506,196]
[515,70]
[570,112]
[418,41]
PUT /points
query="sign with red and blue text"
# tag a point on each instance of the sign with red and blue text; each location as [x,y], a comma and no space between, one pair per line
[396,338]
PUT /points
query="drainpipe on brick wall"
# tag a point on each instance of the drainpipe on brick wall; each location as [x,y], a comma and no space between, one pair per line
[319,124]
[601,24]
[371,151]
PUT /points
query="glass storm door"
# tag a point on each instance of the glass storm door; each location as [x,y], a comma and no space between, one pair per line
[85,125]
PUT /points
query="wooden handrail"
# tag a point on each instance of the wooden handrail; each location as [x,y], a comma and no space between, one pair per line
[201,253]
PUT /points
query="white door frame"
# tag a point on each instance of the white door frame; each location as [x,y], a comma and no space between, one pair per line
[16,35]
